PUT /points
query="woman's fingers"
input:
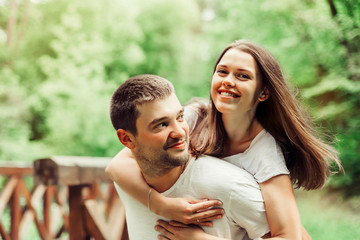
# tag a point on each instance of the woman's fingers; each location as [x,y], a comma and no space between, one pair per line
[193,211]
[182,225]
[203,218]
[193,201]
[204,211]
[202,205]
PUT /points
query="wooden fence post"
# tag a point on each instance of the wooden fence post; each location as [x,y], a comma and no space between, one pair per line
[15,212]
[76,218]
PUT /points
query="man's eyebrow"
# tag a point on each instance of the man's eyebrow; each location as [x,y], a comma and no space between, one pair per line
[157,120]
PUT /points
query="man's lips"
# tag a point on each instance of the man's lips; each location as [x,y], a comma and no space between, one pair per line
[178,145]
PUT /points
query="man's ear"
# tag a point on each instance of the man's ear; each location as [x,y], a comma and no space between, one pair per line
[264,95]
[126,138]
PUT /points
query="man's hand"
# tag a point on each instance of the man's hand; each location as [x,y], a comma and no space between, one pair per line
[179,231]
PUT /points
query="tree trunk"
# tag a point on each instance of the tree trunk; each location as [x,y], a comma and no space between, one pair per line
[11,25]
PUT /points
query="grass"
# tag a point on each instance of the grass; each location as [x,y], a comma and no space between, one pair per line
[328,216]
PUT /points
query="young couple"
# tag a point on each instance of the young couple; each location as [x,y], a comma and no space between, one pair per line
[253,122]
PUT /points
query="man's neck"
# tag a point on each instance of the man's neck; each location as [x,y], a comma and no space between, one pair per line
[167,180]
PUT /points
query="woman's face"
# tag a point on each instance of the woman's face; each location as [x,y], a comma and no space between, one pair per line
[235,83]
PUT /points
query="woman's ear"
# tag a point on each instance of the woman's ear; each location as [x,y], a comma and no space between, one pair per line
[126,138]
[264,95]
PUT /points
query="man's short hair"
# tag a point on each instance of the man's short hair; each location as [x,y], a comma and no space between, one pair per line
[134,92]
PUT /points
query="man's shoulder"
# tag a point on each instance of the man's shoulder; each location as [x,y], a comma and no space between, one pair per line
[224,178]
[222,168]
[210,160]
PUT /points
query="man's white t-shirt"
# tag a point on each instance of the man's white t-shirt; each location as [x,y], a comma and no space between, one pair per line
[208,177]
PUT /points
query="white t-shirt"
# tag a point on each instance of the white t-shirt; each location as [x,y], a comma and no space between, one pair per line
[208,177]
[263,159]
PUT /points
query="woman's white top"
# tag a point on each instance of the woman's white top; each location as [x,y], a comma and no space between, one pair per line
[263,159]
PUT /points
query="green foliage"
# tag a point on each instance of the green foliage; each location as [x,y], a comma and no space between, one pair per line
[63,59]
[61,74]
[328,216]
[14,131]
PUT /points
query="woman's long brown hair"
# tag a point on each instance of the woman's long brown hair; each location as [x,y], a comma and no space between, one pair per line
[307,156]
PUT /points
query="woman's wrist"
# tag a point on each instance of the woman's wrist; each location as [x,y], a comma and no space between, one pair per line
[155,201]
[148,199]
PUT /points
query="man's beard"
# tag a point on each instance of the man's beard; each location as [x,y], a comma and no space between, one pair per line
[158,163]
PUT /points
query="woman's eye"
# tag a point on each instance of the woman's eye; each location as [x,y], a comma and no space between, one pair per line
[222,71]
[244,76]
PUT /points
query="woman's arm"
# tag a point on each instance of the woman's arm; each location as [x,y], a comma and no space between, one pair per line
[281,209]
[124,170]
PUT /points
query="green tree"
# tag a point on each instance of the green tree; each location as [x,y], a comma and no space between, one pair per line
[61,60]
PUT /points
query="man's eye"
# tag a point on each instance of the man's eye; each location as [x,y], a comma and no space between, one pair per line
[160,125]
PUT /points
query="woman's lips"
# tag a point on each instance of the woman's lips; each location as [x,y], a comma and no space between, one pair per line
[228,94]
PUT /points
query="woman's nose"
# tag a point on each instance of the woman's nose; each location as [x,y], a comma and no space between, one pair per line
[228,82]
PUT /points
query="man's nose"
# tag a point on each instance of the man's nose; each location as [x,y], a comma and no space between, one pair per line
[178,131]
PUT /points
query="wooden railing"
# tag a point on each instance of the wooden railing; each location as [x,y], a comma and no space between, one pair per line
[67,197]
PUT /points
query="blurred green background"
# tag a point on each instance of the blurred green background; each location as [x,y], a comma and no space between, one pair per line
[61,60]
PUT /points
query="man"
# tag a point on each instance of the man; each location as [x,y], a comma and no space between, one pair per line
[149,120]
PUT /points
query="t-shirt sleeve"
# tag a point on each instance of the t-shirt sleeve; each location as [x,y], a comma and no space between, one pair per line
[248,209]
[267,160]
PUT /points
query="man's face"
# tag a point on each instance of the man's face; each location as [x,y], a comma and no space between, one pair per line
[162,140]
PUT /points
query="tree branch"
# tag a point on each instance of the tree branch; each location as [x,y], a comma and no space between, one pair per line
[332,8]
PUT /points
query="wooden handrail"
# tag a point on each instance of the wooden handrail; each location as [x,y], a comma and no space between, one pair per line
[65,182]
[70,170]
[11,168]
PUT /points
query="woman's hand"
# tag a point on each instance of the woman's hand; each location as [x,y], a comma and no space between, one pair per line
[187,211]
[179,231]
